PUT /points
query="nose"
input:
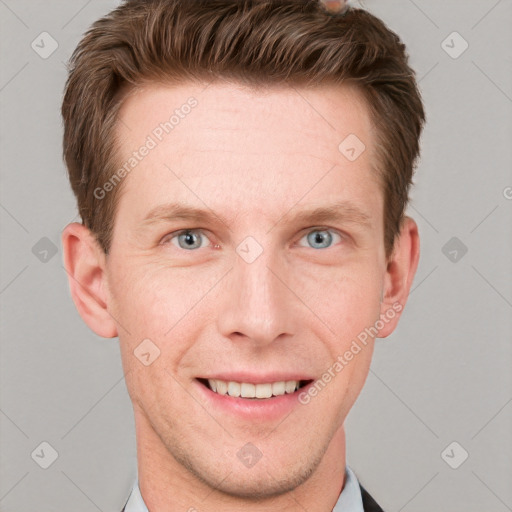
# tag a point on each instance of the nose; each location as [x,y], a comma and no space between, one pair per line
[257,304]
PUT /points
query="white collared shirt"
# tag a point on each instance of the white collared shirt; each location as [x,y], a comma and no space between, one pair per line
[350,499]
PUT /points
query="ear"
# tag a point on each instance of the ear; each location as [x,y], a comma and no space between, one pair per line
[400,271]
[84,262]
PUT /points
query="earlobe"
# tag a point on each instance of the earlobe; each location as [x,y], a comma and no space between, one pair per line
[84,262]
[400,272]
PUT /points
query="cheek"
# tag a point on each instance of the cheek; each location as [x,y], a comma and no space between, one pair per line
[347,298]
[155,301]
[152,300]
[348,301]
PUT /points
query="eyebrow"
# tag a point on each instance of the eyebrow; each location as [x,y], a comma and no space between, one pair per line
[343,211]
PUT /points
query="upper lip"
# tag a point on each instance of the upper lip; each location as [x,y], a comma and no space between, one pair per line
[254,378]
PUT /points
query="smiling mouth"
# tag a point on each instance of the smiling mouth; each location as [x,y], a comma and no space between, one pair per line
[253,391]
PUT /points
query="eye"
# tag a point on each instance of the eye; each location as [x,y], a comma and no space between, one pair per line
[187,239]
[320,238]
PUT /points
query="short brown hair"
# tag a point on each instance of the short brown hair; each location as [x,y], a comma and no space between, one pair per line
[255,42]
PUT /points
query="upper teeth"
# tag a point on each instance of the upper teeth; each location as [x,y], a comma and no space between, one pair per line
[247,390]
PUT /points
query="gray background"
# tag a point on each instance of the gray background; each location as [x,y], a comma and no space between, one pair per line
[444,376]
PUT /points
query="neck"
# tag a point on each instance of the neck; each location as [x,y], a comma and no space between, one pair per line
[168,486]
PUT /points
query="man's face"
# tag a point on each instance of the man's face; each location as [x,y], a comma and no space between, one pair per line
[254,293]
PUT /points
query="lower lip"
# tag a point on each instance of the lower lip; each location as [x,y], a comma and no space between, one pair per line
[264,409]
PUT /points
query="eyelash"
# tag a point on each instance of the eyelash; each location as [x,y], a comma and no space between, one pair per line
[167,239]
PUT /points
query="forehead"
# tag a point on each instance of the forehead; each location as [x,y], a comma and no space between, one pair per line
[265,149]
[286,113]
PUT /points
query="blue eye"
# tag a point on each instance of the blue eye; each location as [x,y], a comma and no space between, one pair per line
[320,238]
[188,239]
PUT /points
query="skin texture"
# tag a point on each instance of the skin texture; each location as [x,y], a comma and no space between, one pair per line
[255,159]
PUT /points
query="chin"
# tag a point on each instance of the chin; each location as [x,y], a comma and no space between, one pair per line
[260,484]
[268,478]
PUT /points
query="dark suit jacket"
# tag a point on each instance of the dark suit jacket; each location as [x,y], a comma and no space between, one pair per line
[369,504]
